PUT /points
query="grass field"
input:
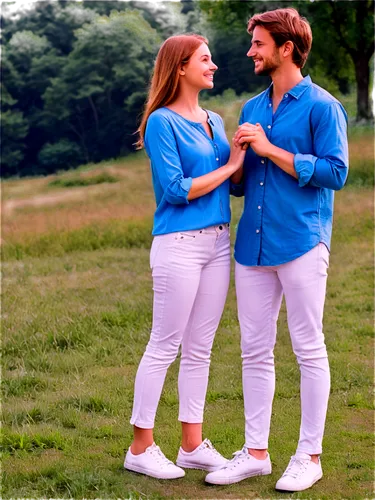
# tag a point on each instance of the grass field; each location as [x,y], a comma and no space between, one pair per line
[76,318]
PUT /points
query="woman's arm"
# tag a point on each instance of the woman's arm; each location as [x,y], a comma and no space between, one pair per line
[208,182]
[160,144]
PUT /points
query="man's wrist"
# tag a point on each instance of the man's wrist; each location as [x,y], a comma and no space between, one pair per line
[272,151]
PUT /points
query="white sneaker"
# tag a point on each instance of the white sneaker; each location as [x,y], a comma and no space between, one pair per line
[153,463]
[242,466]
[300,474]
[204,457]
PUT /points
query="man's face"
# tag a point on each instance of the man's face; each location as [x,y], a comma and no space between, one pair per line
[264,52]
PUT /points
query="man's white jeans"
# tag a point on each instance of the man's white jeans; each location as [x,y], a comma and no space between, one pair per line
[259,294]
[191,272]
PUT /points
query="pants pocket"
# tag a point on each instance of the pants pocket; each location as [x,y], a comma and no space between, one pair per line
[185,235]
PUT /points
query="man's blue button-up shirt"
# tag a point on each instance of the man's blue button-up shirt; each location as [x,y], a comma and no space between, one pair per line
[180,150]
[284,217]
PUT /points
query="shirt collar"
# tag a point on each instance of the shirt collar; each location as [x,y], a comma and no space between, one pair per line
[296,91]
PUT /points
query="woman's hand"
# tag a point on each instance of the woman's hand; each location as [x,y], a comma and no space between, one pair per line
[237,154]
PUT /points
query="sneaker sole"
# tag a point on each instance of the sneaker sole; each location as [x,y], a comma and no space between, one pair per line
[237,479]
[317,478]
[197,466]
[139,470]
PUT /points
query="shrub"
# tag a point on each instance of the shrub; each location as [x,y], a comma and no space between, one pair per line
[78,181]
[61,155]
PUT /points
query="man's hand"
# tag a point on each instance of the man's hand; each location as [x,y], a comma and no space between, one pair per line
[255,136]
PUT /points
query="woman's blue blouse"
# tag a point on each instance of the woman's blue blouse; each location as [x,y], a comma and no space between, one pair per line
[180,150]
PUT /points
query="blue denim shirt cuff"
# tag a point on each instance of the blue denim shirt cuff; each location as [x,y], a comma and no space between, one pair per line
[179,192]
[305,167]
[186,186]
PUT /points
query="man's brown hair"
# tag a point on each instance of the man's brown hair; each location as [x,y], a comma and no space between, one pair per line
[286,25]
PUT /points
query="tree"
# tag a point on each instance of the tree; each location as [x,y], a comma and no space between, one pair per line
[350,28]
[74,83]
[14,129]
[126,27]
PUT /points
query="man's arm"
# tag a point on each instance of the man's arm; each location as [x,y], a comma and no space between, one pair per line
[256,137]
[328,168]
[283,159]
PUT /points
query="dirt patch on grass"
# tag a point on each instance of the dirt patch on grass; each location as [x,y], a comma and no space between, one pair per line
[70,218]
[69,209]
[44,200]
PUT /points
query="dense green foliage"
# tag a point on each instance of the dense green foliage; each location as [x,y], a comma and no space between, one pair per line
[75,75]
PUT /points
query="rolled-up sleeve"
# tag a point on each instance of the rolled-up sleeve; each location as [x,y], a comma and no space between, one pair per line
[161,147]
[328,168]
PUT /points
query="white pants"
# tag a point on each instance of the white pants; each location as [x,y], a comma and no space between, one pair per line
[191,272]
[259,294]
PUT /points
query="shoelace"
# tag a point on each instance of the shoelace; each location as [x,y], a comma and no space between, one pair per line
[209,447]
[238,456]
[296,467]
[159,456]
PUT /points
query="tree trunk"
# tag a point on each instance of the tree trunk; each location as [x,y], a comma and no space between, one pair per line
[362,74]
[95,113]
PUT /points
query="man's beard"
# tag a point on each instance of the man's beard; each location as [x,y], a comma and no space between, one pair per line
[269,65]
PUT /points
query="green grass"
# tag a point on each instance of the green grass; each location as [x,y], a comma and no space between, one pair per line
[77,312]
[79,181]
[363,176]
[112,234]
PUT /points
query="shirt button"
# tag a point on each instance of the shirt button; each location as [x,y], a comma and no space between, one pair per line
[268,126]
[259,207]
[286,95]
[217,159]
[261,183]
[257,231]
[261,161]
[269,105]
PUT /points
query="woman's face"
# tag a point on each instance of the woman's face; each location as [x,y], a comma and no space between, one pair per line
[199,71]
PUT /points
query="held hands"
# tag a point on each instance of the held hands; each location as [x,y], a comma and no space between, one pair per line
[255,136]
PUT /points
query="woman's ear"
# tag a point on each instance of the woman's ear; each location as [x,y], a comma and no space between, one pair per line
[182,72]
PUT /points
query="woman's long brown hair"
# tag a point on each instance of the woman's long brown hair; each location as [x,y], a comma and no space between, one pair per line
[175,52]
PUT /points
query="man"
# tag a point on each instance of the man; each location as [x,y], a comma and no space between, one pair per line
[298,157]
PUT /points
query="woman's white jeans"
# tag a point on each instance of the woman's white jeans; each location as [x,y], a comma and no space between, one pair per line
[259,294]
[191,272]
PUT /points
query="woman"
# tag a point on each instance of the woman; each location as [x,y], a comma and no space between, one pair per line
[191,164]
